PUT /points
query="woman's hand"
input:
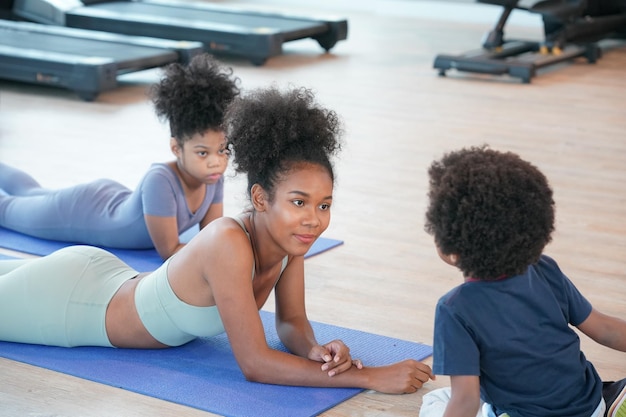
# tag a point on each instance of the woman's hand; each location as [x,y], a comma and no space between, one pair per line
[336,357]
[400,378]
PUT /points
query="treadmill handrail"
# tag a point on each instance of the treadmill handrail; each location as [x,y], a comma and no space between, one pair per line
[101,36]
[170,21]
[50,56]
[238,10]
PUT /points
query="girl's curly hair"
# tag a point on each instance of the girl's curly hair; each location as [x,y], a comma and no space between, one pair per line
[194,98]
[269,131]
[493,210]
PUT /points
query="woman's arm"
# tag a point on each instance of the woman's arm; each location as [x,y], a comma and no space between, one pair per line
[226,260]
[465,396]
[607,330]
[164,234]
[294,328]
[292,324]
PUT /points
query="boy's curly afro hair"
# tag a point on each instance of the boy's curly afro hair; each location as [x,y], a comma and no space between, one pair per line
[269,131]
[194,98]
[493,210]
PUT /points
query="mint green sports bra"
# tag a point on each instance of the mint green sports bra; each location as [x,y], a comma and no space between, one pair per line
[170,320]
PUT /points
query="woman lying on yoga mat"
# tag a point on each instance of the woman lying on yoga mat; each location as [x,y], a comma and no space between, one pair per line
[171,198]
[505,336]
[217,282]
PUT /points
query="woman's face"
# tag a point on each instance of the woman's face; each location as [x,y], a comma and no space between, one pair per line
[300,210]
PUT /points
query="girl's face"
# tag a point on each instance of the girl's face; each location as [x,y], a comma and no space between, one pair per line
[204,157]
[300,210]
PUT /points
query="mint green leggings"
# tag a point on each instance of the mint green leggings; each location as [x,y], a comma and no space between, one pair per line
[60,299]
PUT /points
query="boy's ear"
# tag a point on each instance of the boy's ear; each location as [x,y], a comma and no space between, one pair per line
[258,197]
[450,259]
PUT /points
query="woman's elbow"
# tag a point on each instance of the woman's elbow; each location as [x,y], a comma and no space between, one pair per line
[252,372]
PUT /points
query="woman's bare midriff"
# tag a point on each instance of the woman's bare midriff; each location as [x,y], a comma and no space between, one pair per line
[123,326]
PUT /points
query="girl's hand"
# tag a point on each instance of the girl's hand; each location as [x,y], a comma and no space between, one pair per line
[336,357]
[400,378]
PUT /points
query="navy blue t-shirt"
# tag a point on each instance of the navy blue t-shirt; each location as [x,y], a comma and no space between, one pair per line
[515,335]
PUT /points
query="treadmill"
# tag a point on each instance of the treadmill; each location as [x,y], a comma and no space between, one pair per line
[572,29]
[254,35]
[87,62]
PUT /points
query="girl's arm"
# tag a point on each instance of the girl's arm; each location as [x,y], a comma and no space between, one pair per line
[215,210]
[607,330]
[226,263]
[465,396]
[159,198]
[164,234]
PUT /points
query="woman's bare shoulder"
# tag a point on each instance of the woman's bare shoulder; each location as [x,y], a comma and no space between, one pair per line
[221,248]
[222,236]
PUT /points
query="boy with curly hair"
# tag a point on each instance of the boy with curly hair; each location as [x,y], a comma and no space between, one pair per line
[504,335]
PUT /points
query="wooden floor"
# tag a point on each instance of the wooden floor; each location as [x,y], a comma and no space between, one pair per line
[399,116]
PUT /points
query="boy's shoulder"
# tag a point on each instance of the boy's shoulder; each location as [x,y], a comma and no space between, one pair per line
[546,267]
[545,261]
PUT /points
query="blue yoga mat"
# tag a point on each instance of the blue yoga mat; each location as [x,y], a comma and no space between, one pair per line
[141,260]
[204,374]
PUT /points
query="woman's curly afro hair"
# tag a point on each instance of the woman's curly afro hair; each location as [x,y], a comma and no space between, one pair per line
[194,98]
[269,131]
[493,210]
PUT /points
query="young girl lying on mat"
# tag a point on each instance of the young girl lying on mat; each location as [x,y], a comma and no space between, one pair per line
[504,335]
[83,295]
[171,198]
